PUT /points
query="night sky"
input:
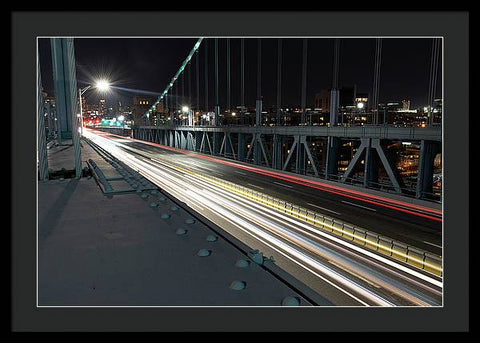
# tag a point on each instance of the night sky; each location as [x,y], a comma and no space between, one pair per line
[148,64]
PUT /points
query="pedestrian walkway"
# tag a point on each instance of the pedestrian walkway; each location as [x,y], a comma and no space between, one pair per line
[139,249]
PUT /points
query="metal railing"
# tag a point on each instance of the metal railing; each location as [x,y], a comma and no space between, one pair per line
[386,246]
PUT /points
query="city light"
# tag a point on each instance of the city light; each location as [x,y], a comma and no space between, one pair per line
[185,109]
[121,118]
[102,85]
[360,105]
[233,114]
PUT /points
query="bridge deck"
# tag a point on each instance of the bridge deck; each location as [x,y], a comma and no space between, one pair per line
[96,251]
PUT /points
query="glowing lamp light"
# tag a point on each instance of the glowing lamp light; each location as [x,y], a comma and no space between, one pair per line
[102,85]
[185,109]
[233,114]
[360,105]
[121,118]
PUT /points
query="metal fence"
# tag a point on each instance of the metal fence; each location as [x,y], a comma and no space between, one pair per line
[381,244]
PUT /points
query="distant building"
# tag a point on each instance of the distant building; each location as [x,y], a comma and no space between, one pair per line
[141,104]
[361,101]
[352,105]
[348,98]
[406,104]
[322,101]
[102,107]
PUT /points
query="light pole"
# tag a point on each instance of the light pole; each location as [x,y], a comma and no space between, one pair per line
[80,93]
[189,112]
[101,85]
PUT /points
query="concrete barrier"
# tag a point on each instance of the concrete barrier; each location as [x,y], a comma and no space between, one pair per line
[378,243]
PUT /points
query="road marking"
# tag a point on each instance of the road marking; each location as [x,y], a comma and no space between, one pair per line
[438,246]
[281,184]
[367,208]
[349,270]
[236,171]
[323,208]
[255,186]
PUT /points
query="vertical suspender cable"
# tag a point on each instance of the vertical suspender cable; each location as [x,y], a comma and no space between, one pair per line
[217,104]
[279,81]
[228,75]
[304,81]
[242,72]
[376,80]
[197,76]
[206,75]
[378,72]
[334,100]
[259,69]
[258,104]
[336,54]
[433,78]
[374,100]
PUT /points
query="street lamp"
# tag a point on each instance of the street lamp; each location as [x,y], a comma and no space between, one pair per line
[101,85]
[189,112]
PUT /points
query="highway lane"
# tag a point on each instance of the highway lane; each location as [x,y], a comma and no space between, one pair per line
[345,270]
[406,227]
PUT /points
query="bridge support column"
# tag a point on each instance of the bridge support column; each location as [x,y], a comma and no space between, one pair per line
[333,148]
[256,150]
[217,141]
[300,157]
[259,150]
[371,166]
[184,140]
[258,113]
[364,142]
[163,137]
[176,139]
[241,150]
[311,157]
[229,150]
[334,100]
[277,156]
[198,140]
[370,145]
[216,120]
[302,151]
[428,151]
[64,87]
[290,154]
[190,144]
[389,166]
[66,96]
[205,143]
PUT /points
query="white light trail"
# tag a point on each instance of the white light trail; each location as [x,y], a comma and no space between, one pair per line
[265,225]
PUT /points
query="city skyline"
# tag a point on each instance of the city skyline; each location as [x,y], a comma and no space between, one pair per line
[145,66]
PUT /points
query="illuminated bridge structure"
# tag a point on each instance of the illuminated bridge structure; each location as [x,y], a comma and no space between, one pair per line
[290,148]
[222,132]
